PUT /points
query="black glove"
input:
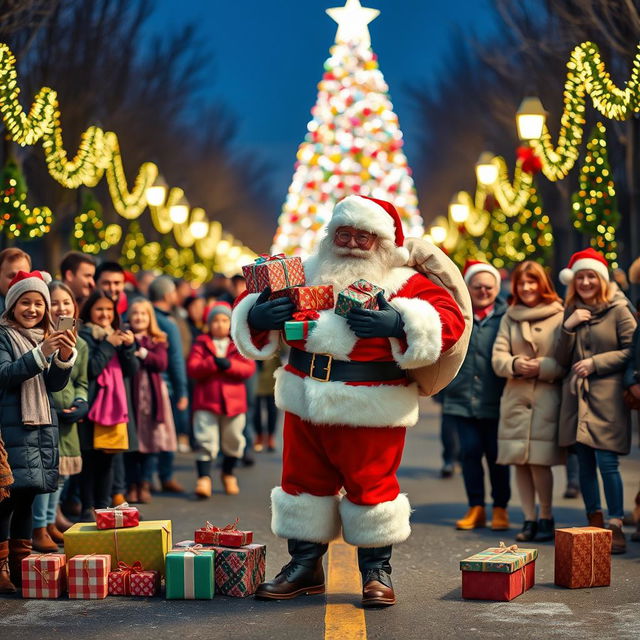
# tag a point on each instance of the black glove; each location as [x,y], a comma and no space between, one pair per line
[270,315]
[79,410]
[385,323]
[222,363]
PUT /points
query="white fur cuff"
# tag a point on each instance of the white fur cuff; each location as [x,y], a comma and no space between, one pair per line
[378,525]
[304,517]
[423,329]
[241,332]
[65,364]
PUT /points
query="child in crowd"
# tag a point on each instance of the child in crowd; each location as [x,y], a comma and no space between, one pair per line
[110,425]
[151,403]
[34,362]
[219,400]
[266,404]
[71,406]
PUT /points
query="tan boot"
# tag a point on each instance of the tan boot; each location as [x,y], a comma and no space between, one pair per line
[500,521]
[271,444]
[475,518]
[203,487]
[230,484]
[42,541]
[19,549]
[55,534]
[258,443]
[117,499]
[618,541]
[62,523]
[6,586]
[144,493]
[133,494]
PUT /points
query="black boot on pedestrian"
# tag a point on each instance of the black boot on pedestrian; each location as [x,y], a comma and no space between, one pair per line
[374,564]
[529,530]
[546,530]
[303,575]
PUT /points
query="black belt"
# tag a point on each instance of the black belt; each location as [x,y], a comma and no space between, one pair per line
[323,367]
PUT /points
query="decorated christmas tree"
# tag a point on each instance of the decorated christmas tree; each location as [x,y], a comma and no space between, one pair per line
[132,247]
[90,234]
[595,208]
[353,143]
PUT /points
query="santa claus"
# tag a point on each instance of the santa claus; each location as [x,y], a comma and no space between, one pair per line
[348,398]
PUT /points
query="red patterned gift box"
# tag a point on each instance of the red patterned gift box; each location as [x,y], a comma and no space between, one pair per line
[227,536]
[361,294]
[44,575]
[305,298]
[120,517]
[133,580]
[239,571]
[583,557]
[276,272]
[88,576]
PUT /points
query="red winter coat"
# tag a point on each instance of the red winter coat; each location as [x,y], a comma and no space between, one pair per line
[218,391]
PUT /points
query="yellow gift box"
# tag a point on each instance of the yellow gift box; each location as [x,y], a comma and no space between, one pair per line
[148,543]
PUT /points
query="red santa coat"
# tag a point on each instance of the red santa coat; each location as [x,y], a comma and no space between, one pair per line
[218,391]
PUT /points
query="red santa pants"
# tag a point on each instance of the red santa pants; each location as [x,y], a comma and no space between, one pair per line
[319,460]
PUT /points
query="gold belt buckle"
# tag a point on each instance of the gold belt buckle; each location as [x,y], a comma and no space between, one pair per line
[327,368]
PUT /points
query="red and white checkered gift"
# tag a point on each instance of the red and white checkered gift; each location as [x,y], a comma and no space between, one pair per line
[88,576]
[44,575]
[133,580]
[120,517]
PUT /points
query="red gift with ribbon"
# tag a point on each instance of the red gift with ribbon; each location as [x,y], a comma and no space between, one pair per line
[227,536]
[276,272]
[44,575]
[120,517]
[302,324]
[304,298]
[133,580]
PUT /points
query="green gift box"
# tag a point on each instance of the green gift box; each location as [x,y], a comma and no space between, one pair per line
[499,559]
[190,574]
[361,294]
[298,329]
[147,543]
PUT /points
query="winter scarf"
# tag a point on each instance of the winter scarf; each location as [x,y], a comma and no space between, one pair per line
[34,399]
[6,477]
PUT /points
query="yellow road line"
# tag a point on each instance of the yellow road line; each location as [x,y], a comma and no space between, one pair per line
[344,618]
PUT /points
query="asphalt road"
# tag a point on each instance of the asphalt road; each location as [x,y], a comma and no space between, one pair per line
[426,574]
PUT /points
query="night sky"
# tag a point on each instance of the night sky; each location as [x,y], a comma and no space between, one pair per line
[269,58]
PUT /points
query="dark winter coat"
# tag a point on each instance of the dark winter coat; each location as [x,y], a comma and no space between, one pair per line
[475,392]
[100,353]
[632,373]
[32,450]
[176,373]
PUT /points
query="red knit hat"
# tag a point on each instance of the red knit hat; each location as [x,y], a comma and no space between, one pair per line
[587,259]
[24,282]
[372,215]
[473,267]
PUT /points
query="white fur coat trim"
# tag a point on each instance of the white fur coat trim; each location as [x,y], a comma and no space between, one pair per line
[377,525]
[304,517]
[241,332]
[337,403]
[423,328]
[331,335]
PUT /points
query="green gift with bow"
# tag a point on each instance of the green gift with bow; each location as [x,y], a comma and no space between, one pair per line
[190,574]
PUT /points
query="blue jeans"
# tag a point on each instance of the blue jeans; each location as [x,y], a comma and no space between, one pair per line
[590,460]
[44,508]
[449,439]
[478,439]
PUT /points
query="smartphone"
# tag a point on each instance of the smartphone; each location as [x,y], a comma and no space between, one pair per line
[126,326]
[66,323]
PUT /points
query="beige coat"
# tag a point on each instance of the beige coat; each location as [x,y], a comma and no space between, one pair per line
[593,411]
[528,429]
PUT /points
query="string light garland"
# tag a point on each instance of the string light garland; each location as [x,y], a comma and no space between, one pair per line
[90,233]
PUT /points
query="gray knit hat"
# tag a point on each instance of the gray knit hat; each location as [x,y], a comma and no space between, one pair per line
[25,282]
[219,307]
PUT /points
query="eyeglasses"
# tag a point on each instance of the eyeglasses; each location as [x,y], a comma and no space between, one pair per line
[363,239]
[478,287]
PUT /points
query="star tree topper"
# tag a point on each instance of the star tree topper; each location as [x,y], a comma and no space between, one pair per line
[352,21]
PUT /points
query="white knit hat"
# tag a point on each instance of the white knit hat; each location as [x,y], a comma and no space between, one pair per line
[473,267]
[24,282]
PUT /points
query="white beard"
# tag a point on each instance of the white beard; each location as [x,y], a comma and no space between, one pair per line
[341,266]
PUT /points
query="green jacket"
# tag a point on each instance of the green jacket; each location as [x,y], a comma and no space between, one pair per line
[77,387]
[475,392]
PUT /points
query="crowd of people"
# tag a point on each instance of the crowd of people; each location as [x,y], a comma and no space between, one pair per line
[545,382]
[104,376]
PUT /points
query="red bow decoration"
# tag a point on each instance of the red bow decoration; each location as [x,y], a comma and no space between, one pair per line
[126,571]
[531,163]
[229,527]
[306,314]
[265,257]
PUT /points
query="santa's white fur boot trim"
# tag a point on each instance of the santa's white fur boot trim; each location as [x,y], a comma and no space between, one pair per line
[304,517]
[378,525]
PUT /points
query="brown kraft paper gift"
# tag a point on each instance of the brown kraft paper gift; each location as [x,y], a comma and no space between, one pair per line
[583,557]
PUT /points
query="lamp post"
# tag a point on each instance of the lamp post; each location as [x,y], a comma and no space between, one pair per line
[156,194]
[486,169]
[179,212]
[458,210]
[530,118]
[438,234]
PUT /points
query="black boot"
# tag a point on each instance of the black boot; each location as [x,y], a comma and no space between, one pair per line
[377,589]
[529,530]
[302,575]
[546,530]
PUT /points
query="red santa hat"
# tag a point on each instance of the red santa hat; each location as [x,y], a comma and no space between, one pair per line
[372,215]
[24,282]
[473,267]
[587,259]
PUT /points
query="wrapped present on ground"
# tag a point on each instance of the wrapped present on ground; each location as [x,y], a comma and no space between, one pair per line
[303,323]
[227,536]
[133,580]
[88,576]
[583,557]
[361,294]
[317,297]
[119,517]
[190,574]
[147,543]
[44,575]
[276,272]
[501,573]
[240,570]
